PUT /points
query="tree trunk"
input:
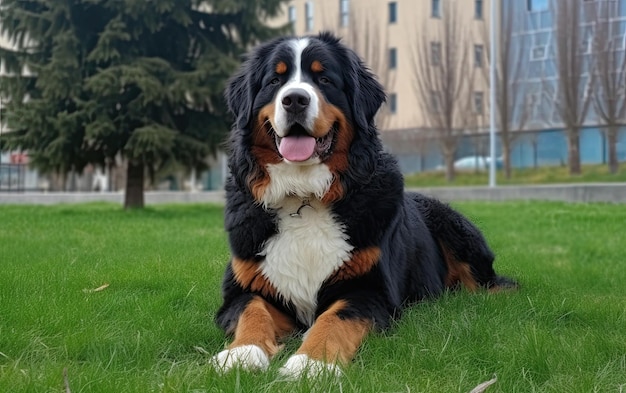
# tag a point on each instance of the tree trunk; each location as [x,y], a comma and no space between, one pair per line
[612,142]
[506,157]
[134,185]
[449,167]
[573,153]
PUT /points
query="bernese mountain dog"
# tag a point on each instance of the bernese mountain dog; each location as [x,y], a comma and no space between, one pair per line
[323,237]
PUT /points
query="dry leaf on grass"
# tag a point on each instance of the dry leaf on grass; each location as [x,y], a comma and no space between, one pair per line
[66,381]
[483,386]
[100,288]
[201,350]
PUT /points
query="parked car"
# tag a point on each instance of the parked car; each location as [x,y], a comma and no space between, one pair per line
[470,163]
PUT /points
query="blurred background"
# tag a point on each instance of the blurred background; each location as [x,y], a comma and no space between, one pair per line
[107,96]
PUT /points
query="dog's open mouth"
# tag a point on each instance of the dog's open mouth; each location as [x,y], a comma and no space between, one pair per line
[299,146]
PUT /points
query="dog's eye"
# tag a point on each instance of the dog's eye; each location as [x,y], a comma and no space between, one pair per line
[275,81]
[324,80]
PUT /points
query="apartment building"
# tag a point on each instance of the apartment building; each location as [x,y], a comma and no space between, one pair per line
[536,29]
[396,37]
[393,36]
[591,32]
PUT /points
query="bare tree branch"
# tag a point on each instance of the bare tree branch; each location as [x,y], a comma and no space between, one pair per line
[609,69]
[443,79]
[511,95]
[574,81]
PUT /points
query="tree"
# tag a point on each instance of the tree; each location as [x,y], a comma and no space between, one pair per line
[443,78]
[511,111]
[141,79]
[609,69]
[574,81]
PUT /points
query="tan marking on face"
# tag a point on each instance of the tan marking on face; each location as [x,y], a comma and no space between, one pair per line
[263,325]
[338,160]
[317,66]
[264,151]
[281,67]
[333,339]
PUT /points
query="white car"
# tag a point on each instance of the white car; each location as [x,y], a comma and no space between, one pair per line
[471,163]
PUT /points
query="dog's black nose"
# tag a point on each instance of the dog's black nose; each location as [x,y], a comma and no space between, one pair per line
[296,100]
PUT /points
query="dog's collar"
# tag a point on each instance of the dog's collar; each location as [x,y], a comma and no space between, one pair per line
[305,203]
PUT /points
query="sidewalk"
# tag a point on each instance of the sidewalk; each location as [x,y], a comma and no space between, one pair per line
[590,192]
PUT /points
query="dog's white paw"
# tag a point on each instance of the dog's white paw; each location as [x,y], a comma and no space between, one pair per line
[247,357]
[301,365]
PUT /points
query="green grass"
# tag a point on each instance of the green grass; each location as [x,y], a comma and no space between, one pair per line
[540,175]
[563,331]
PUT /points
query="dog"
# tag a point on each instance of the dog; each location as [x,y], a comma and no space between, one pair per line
[323,236]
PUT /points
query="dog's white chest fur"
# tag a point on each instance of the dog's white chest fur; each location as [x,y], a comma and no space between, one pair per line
[307,249]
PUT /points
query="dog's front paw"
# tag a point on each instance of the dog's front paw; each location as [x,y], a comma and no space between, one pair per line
[301,365]
[247,357]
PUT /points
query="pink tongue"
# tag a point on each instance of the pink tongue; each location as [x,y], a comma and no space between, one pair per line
[297,148]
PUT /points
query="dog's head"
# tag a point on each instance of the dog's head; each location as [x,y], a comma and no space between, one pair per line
[304,102]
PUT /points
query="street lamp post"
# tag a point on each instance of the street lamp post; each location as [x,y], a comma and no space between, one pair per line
[492,95]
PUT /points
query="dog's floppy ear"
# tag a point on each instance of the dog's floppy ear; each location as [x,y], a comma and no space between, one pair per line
[243,87]
[368,92]
[239,96]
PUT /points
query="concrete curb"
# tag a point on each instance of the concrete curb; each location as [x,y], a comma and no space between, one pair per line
[581,193]
[152,197]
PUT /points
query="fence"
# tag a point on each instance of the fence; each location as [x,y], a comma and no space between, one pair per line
[419,152]
[12,177]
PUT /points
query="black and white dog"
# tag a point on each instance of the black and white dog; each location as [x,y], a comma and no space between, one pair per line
[323,236]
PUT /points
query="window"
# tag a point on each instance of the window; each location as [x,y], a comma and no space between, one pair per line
[537,5]
[435,53]
[617,42]
[533,107]
[393,58]
[479,102]
[435,9]
[435,101]
[292,17]
[478,56]
[586,42]
[393,103]
[344,12]
[308,15]
[538,52]
[393,12]
[478,9]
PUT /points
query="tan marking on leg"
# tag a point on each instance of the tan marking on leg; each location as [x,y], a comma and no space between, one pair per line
[333,339]
[262,325]
[458,272]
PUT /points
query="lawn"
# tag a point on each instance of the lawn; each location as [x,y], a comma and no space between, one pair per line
[151,329]
[540,175]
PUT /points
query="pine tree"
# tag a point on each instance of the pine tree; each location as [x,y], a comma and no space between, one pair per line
[91,79]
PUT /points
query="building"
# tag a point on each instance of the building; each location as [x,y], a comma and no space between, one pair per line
[394,38]
[578,35]
[388,35]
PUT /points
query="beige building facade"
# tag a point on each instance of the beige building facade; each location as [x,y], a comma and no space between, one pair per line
[403,41]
